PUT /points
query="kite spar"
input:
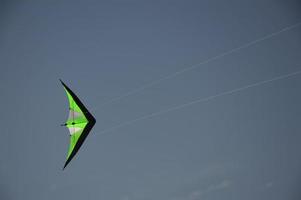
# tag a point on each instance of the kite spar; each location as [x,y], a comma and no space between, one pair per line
[80,122]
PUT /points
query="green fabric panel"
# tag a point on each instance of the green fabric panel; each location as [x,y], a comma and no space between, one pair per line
[79,125]
[78,120]
[72,103]
[73,139]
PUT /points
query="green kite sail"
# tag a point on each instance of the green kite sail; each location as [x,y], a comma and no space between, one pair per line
[80,122]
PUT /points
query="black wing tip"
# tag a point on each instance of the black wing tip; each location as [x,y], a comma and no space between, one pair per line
[65,165]
[62,82]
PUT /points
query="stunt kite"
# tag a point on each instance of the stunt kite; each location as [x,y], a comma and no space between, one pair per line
[79,123]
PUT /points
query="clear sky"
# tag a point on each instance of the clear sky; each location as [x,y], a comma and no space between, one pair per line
[243,145]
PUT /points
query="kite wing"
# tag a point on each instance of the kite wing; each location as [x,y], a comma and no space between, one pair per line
[79,123]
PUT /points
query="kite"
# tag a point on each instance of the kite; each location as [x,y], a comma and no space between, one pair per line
[80,122]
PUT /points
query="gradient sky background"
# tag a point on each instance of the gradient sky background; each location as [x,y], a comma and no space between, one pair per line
[240,146]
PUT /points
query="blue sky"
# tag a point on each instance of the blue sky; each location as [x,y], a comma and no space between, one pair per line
[243,145]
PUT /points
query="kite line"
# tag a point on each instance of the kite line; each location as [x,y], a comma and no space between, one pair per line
[174,74]
[201,100]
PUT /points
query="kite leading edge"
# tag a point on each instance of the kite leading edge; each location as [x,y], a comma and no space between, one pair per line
[80,122]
